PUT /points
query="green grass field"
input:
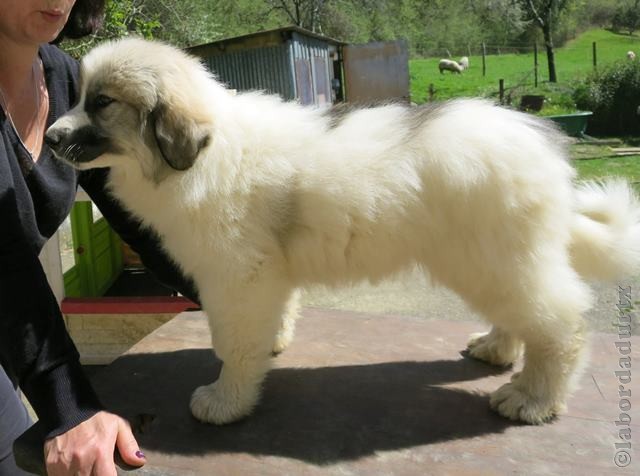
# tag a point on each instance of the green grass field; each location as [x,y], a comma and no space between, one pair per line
[573,62]
[595,162]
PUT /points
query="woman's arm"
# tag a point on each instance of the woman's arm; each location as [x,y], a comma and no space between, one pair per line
[35,349]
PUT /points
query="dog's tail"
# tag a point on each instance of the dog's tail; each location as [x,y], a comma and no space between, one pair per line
[605,236]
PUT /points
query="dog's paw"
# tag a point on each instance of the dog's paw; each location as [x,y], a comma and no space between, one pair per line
[283,339]
[287,326]
[216,404]
[513,402]
[280,345]
[496,351]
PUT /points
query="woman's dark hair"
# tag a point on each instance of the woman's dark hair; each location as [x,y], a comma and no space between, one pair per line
[85,19]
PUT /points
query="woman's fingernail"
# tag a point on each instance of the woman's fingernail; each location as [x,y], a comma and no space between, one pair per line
[140,454]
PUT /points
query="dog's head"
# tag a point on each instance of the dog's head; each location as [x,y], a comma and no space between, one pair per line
[140,101]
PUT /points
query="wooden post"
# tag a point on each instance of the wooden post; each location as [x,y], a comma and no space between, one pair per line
[484,61]
[535,64]
[595,56]
[501,85]
[432,91]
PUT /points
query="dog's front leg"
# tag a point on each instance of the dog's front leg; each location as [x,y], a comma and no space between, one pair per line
[244,321]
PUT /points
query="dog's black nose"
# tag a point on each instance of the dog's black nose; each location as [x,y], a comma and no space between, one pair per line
[54,137]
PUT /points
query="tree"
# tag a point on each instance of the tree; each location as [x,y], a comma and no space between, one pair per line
[501,20]
[431,27]
[545,13]
[302,13]
[122,17]
[627,17]
[187,22]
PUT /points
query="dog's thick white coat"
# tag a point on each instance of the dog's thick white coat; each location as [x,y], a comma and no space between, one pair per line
[480,197]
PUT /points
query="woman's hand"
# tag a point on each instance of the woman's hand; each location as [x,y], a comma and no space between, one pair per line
[88,448]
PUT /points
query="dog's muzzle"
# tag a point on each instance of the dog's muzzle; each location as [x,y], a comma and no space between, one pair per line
[83,144]
[56,138]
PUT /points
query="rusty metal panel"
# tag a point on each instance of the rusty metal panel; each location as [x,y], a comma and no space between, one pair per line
[321,80]
[304,84]
[311,60]
[376,71]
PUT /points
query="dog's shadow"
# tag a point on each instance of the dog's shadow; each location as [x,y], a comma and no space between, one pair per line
[318,415]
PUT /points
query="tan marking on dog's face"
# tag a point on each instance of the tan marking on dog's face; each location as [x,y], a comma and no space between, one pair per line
[136,108]
[109,127]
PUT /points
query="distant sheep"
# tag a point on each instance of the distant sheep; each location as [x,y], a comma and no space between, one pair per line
[631,55]
[453,66]
[449,65]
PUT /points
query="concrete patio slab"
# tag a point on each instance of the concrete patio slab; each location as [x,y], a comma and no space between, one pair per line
[362,394]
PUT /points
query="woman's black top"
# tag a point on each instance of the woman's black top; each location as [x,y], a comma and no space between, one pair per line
[35,197]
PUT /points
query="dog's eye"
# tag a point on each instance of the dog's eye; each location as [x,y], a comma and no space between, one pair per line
[103,101]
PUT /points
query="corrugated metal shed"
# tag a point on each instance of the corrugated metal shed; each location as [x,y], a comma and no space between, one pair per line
[293,62]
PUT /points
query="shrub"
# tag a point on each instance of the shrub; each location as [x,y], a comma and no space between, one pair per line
[613,94]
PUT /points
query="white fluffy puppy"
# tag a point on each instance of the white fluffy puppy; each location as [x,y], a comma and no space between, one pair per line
[254,197]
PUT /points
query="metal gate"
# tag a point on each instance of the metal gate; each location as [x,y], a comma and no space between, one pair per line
[376,71]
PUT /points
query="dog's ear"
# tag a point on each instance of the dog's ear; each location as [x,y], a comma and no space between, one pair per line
[179,137]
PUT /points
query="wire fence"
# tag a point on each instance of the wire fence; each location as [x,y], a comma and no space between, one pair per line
[498,50]
[508,70]
[476,50]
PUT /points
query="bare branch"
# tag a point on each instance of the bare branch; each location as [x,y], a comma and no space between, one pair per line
[534,13]
[283,5]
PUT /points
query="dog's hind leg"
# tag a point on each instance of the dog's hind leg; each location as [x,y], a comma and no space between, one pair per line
[288,323]
[244,322]
[548,319]
[496,347]
[539,392]
[536,299]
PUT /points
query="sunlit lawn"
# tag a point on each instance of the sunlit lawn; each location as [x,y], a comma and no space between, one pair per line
[573,62]
[597,162]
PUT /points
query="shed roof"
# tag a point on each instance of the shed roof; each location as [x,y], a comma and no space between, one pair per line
[258,39]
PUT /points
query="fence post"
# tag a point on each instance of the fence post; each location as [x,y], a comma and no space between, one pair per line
[595,56]
[501,85]
[484,61]
[535,64]
[432,91]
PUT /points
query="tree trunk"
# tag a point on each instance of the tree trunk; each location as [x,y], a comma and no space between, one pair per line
[551,59]
[299,21]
